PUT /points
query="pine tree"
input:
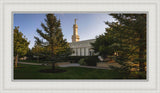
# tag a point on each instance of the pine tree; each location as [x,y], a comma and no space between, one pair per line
[52,34]
[137,24]
[20,44]
[132,37]
[126,37]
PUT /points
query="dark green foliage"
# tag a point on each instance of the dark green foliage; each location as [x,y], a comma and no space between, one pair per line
[124,69]
[91,60]
[140,75]
[29,54]
[134,25]
[102,45]
[75,59]
[55,46]
[82,61]
[125,39]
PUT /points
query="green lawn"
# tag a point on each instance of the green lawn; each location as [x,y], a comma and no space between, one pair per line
[32,61]
[33,72]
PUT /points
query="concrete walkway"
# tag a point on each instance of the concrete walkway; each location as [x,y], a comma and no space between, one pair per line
[30,63]
[68,65]
[95,67]
[78,65]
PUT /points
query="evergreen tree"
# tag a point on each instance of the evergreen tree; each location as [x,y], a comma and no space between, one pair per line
[136,24]
[29,54]
[52,34]
[126,38]
[102,45]
[38,48]
[20,44]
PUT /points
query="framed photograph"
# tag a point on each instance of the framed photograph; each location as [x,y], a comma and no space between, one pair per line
[80,46]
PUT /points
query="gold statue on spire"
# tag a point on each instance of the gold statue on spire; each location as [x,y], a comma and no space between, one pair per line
[75,20]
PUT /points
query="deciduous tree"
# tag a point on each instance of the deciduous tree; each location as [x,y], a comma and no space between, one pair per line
[20,44]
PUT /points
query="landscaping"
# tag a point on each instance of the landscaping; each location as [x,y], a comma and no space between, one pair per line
[117,53]
[34,72]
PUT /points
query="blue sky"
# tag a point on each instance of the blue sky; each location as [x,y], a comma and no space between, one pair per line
[90,25]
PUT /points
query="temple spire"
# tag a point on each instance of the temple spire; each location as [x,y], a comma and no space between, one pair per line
[75,36]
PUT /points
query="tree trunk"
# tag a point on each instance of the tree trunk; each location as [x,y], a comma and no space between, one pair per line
[16,61]
[53,63]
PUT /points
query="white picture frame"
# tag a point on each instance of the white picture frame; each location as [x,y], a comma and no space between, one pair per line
[151,7]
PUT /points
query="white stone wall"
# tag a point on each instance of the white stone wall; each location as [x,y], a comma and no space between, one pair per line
[87,51]
[82,51]
[78,51]
[81,45]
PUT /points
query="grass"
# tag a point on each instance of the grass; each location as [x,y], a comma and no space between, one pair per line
[33,72]
[32,61]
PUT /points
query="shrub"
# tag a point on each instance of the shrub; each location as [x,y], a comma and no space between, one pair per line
[91,60]
[142,75]
[75,59]
[122,69]
[82,61]
[139,75]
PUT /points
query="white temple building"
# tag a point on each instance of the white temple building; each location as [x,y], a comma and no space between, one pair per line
[80,48]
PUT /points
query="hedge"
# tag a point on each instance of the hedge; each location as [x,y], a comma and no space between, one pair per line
[91,60]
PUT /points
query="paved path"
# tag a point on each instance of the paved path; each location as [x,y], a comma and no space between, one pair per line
[30,63]
[95,67]
[68,65]
[78,65]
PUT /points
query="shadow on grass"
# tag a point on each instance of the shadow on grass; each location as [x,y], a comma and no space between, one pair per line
[52,71]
